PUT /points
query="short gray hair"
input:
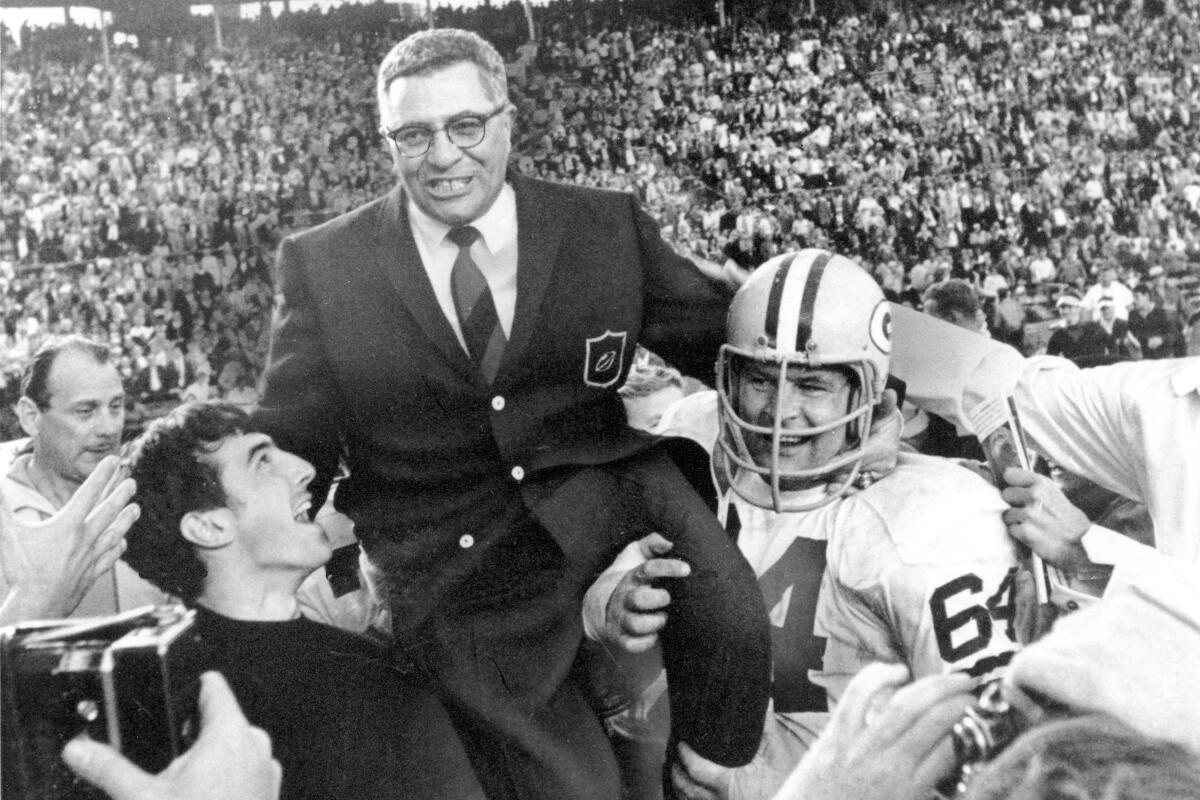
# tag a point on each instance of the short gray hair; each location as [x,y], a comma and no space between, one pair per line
[430,50]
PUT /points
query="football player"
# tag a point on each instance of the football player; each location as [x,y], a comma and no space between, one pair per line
[856,563]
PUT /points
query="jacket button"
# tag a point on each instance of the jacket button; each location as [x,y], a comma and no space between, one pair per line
[498,403]
[518,473]
[466,541]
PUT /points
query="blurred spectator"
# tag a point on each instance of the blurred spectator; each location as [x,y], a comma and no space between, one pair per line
[924,145]
[1149,323]
[955,302]
[1121,342]
[1008,320]
[1080,340]
[1110,289]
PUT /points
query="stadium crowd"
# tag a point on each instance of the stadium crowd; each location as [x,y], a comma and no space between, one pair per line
[974,160]
[1015,148]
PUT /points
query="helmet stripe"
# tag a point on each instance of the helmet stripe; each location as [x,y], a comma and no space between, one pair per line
[809,299]
[775,299]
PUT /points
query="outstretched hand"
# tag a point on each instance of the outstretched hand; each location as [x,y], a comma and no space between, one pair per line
[231,759]
[637,609]
[51,565]
[886,740]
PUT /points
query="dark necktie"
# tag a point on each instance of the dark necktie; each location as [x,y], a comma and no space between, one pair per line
[474,305]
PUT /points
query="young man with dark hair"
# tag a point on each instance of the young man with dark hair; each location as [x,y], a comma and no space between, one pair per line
[225,527]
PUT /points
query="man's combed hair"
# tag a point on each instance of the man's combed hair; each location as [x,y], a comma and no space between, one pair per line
[173,481]
[953,297]
[35,381]
[1088,758]
[646,379]
[430,50]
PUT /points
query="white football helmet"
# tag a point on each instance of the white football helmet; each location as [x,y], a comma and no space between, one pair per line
[807,309]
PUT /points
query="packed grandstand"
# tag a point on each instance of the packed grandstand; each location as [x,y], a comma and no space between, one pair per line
[1021,147]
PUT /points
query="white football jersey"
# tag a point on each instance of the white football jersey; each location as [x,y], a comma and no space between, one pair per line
[920,570]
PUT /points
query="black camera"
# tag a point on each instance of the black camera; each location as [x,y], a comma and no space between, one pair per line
[984,731]
[132,680]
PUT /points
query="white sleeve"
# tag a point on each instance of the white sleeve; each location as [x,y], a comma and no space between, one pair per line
[1146,573]
[1079,419]
[854,635]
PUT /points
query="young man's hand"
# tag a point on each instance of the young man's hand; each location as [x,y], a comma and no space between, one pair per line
[231,759]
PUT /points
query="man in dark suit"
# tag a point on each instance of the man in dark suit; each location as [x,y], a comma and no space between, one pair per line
[1149,323]
[459,342]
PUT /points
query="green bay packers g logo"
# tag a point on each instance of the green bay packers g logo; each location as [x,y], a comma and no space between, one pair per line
[604,359]
[881,327]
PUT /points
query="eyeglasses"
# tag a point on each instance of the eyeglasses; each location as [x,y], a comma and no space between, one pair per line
[463,132]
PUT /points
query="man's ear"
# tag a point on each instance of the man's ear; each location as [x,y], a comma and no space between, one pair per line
[28,414]
[208,529]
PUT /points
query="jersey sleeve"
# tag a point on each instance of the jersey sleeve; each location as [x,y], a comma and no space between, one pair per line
[926,577]
[855,635]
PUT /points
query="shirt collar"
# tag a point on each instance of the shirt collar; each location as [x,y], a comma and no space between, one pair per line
[497,227]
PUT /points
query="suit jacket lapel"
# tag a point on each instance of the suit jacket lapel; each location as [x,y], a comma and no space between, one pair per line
[398,258]
[539,234]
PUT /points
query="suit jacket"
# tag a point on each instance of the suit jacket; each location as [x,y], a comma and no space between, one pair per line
[1154,323]
[364,364]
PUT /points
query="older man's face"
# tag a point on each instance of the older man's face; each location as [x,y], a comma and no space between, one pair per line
[455,185]
[83,421]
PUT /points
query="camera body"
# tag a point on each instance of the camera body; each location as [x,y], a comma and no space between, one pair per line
[985,731]
[131,680]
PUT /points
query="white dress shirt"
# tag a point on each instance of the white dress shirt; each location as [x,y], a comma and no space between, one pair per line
[495,251]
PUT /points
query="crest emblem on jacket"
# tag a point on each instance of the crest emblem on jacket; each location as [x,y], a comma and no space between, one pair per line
[604,359]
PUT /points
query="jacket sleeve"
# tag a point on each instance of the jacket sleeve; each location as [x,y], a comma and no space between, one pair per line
[684,310]
[299,397]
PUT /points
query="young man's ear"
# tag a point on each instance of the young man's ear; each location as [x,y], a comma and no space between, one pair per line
[207,529]
[28,414]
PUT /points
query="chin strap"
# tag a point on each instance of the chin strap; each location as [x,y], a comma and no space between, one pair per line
[880,454]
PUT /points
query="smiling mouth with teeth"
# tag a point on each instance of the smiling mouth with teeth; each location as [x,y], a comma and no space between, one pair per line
[789,440]
[449,184]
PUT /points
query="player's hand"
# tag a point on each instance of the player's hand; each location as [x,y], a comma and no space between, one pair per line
[886,740]
[883,445]
[52,564]
[231,760]
[1126,657]
[693,776]
[637,609]
[1043,518]
[696,778]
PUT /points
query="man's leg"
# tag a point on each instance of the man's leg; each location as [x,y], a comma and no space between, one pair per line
[716,644]
[503,650]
